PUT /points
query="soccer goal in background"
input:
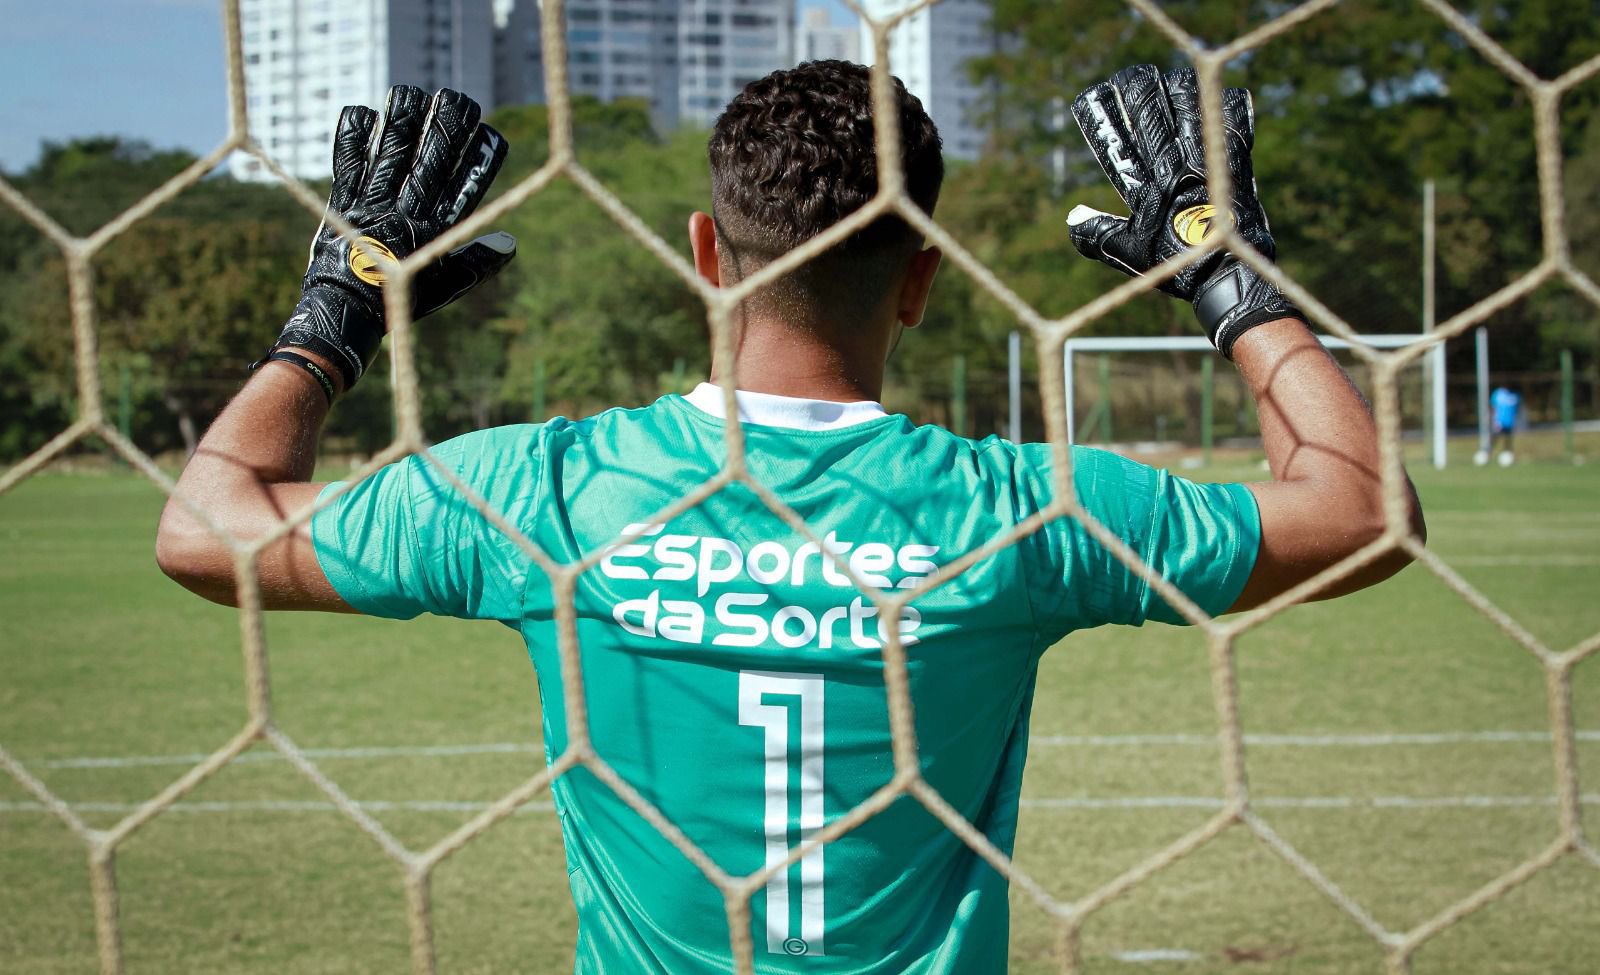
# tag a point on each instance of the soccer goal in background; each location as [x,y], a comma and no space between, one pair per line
[1184,400]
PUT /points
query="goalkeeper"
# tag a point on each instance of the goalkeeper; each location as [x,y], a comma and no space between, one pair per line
[734,671]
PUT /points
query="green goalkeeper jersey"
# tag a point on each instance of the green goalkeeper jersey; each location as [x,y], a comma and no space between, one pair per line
[734,676]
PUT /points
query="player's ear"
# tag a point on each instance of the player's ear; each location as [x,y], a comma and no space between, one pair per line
[703,243]
[916,286]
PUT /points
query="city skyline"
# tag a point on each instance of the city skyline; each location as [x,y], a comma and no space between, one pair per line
[306,59]
[145,70]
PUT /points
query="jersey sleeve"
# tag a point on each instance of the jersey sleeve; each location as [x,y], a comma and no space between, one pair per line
[405,541]
[1203,538]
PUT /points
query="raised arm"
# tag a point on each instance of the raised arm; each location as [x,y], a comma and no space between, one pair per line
[252,470]
[1325,501]
[401,179]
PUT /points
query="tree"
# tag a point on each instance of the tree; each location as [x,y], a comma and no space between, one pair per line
[1356,108]
[604,315]
[184,299]
[184,305]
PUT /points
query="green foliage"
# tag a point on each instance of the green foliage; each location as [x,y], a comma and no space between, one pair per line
[1357,108]
[183,300]
[605,316]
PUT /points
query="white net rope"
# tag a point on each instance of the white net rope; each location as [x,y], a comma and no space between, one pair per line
[1049,336]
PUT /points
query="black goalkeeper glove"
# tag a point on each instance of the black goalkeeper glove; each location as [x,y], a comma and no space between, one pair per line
[400,184]
[1144,129]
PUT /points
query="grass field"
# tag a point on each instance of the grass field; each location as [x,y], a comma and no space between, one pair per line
[104,658]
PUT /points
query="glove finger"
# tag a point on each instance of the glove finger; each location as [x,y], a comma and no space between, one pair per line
[461,270]
[1239,124]
[396,145]
[1101,237]
[1149,115]
[351,141]
[1100,119]
[451,121]
[1239,114]
[477,170]
[1183,95]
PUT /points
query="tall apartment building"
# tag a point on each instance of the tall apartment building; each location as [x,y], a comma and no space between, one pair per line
[685,58]
[518,60]
[820,40]
[305,59]
[724,45]
[930,51]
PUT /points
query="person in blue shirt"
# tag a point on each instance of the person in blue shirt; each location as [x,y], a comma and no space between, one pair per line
[1505,405]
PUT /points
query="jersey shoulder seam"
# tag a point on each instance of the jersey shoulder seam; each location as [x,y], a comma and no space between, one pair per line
[415,540]
[540,485]
[1157,504]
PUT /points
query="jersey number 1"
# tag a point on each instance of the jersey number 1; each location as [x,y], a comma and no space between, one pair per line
[802,692]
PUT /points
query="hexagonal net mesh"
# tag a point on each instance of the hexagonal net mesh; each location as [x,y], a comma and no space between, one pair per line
[1049,336]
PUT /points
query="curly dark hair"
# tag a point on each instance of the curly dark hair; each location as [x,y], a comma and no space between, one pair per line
[792,155]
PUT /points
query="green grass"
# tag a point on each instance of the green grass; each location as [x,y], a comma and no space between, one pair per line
[104,657]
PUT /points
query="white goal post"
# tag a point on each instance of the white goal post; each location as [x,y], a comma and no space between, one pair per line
[1433,360]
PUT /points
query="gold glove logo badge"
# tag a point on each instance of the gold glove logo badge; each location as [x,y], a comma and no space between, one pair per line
[1194,224]
[363,265]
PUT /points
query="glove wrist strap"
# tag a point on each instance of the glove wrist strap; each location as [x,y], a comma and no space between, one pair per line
[332,325]
[1236,299]
[317,372]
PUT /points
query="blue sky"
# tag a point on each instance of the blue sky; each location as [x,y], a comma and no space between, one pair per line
[147,69]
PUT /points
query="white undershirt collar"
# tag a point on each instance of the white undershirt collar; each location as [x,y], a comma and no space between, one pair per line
[791,412]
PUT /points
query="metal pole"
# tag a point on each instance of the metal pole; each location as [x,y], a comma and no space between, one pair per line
[958,395]
[1105,398]
[538,391]
[1434,410]
[125,403]
[1014,352]
[1072,407]
[1441,418]
[1566,401]
[1482,339]
[1207,390]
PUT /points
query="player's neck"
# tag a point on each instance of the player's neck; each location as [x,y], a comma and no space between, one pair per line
[792,362]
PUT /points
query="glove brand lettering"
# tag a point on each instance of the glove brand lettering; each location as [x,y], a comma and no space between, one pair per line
[1108,133]
[740,617]
[485,159]
[1194,224]
[362,263]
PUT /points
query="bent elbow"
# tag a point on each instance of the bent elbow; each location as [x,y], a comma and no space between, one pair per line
[1399,554]
[188,554]
[1416,526]
[1412,528]
[1372,527]
[1419,524]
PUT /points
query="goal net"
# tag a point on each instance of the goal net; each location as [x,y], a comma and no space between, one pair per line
[1388,359]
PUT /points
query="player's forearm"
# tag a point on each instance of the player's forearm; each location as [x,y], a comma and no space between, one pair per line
[250,471]
[1321,442]
[403,177]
